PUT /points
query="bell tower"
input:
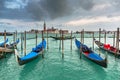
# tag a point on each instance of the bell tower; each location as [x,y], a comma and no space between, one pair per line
[44,26]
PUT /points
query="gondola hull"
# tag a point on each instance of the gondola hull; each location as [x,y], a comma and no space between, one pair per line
[101,63]
[22,62]
[32,55]
[109,51]
[94,57]
[3,43]
[60,38]
[13,45]
[9,47]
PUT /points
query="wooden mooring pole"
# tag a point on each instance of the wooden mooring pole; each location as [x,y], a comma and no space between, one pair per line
[99,39]
[62,46]
[5,43]
[71,40]
[81,46]
[5,38]
[117,43]
[42,44]
[16,35]
[99,35]
[25,43]
[105,38]
[83,36]
[105,43]
[93,40]
[36,37]
[47,40]
[21,43]
[114,39]
[60,40]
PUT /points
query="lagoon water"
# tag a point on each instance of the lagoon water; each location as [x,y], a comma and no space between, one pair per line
[53,67]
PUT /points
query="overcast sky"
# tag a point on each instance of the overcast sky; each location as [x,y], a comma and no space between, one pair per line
[64,14]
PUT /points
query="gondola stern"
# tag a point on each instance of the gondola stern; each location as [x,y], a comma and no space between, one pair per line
[104,63]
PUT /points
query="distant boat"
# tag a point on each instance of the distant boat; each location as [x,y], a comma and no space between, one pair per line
[7,34]
[88,53]
[29,38]
[62,38]
[32,55]
[107,48]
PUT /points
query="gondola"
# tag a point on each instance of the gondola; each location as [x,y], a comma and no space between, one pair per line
[32,55]
[107,48]
[64,37]
[3,43]
[88,53]
[7,34]
[9,47]
[13,45]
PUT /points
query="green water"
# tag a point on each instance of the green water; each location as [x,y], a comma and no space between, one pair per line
[53,67]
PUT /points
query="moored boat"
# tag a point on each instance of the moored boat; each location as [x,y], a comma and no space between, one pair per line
[108,48]
[9,47]
[91,55]
[64,37]
[32,55]
[7,34]
[3,43]
[13,45]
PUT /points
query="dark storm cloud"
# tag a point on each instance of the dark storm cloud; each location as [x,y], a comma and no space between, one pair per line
[8,13]
[14,14]
[86,4]
[52,9]
[55,9]
[2,4]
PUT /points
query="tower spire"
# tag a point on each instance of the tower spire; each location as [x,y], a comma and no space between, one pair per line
[44,26]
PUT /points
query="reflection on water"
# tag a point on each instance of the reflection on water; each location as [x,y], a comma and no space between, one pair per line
[28,69]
